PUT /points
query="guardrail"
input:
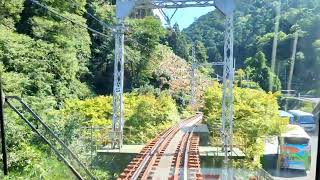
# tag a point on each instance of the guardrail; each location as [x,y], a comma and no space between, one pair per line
[51,134]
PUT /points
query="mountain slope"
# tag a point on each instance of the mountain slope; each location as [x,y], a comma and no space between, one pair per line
[254,32]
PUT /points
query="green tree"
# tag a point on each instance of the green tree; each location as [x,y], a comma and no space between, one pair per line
[254,31]
[201,52]
[178,42]
[143,41]
[259,72]
[255,116]
[10,13]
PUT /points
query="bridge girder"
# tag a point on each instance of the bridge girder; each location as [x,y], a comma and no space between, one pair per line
[124,7]
[172,4]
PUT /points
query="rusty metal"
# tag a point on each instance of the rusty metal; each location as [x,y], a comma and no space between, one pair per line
[193,162]
[149,157]
[177,161]
[187,156]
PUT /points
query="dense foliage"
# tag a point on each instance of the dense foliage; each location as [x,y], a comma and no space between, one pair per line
[58,67]
[143,111]
[65,73]
[254,27]
[255,116]
[258,71]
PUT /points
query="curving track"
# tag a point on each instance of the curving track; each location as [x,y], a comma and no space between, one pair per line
[171,155]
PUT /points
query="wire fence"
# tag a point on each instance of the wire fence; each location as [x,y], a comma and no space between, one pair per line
[88,140]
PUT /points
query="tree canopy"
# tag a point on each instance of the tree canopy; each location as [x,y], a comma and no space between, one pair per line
[254,32]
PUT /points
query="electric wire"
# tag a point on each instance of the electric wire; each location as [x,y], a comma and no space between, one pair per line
[83,26]
[103,24]
[138,43]
[66,18]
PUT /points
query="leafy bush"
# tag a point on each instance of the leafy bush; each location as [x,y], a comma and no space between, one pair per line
[145,116]
[49,71]
[255,116]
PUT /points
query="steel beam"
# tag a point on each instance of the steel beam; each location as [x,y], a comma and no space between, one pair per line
[116,134]
[173,4]
[124,8]
[227,95]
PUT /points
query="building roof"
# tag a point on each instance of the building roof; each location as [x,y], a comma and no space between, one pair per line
[300,113]
[295,131]
[285,114]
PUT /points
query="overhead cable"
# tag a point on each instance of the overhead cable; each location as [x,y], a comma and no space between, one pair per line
[103,24]
[66,18]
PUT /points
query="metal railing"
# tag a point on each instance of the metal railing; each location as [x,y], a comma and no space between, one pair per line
[264,175]
[51,134]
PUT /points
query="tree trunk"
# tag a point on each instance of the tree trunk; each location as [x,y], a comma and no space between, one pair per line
[275,45]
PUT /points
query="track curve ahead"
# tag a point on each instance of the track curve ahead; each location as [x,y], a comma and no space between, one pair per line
[173,154]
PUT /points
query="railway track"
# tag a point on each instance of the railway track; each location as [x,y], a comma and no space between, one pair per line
[173,154]
[186,162]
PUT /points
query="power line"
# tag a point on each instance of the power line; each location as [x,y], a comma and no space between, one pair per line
[138,43]
[103,24]
[83,26]
[68,19]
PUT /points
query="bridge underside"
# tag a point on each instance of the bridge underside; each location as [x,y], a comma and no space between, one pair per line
[173,4]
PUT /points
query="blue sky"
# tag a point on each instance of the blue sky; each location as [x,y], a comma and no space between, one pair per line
[184,17]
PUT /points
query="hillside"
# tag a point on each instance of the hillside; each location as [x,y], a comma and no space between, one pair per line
[254,31]
[59,58]
[64,71]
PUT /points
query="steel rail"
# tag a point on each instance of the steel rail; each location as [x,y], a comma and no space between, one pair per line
[152,151]
[138,165]
[49,130]
[160,147]
[138,159]
[186,156]
[184,148]
[194,158]
[180,149]
[135,163]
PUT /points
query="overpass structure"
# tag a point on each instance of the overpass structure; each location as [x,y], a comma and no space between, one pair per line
[123,10]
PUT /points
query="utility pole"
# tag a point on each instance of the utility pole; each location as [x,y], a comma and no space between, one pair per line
[123,10]
[293,59]
[275,44]
[192,82]
[116,134]
[292,62]
[2,129]
[227,95]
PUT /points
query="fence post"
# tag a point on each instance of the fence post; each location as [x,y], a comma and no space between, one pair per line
[2,129]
